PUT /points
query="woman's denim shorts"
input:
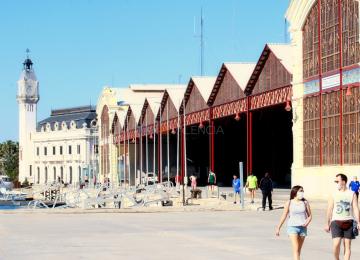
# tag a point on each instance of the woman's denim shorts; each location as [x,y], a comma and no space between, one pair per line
[300,231]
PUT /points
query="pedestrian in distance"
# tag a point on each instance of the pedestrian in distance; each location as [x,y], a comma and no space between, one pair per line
[299,212]
[193,182]
[355,186]
[212,180]
[252,185]
[342,211]
[236,187]
[266,187]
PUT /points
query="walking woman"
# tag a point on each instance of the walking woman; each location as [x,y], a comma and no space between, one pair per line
[298,210]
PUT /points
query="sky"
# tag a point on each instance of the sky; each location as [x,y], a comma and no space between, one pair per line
[78,47]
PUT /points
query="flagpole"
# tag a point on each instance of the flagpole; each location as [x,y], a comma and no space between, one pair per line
[128,141]
[147,149]
[154,142]
[135,160]
[177,147]
[168,141]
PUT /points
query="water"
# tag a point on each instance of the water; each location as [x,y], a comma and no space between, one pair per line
[9,207]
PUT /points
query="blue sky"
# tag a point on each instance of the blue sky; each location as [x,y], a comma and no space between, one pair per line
[79,46]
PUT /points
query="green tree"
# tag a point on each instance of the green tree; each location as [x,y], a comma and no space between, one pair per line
[9,153]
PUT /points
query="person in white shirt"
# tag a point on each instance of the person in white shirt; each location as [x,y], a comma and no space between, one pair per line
[341,213]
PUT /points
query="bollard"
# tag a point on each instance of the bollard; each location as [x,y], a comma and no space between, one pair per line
[241,176]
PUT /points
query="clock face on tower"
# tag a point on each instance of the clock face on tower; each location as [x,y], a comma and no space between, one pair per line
[28,90]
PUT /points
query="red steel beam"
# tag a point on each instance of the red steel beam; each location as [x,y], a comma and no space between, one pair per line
[320,86]
[341,83]
[251,148]
[212,140]
[160,154]
[247,136]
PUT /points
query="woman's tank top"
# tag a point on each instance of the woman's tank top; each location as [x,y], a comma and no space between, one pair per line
[297,213]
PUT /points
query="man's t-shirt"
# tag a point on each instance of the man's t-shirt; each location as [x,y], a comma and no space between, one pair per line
[252,181]
[343,205]
[236,185]
[354,186]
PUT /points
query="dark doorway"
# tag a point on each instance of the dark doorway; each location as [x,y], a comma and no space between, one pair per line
[230,148]
[273,144]
[197,152]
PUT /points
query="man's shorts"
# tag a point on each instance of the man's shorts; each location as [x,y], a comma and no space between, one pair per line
[297,230]
[237,191]
[252,189]
[336,231]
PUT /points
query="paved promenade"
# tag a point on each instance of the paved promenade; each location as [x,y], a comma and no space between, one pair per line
[167,235]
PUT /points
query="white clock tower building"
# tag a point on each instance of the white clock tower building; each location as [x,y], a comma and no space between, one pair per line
[27,98]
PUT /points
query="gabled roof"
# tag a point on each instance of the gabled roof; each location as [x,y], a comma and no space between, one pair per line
[204,84]
[281,51]
[154,103]
[241,73]
[284,53]
[176,95]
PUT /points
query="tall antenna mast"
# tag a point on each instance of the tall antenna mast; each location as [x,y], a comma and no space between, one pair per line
[202,45]
[285,31]
[202,42]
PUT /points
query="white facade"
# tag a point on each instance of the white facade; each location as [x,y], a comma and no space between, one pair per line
[64,153]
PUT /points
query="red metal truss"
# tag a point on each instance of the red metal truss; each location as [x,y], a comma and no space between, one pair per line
[172,125]
[270,98]
[230,108]
[197,117]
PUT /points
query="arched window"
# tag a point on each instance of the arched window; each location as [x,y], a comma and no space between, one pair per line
[62,173]
[54,172]
[46,175]
[38,175]
[330,49]
[79,172]
[104,131]
[70,175]
[329,32]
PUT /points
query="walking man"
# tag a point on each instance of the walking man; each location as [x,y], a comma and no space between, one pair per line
[266,187]
[342,211]
[236,186]
[252,185]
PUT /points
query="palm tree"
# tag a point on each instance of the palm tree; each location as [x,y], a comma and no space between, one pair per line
[9,154]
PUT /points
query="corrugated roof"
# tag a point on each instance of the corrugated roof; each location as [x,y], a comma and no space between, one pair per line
[241,72]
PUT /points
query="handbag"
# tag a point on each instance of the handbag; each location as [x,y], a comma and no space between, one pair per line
[344,224]
[355,229]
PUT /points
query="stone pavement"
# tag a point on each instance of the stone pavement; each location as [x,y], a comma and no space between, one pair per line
[175,235]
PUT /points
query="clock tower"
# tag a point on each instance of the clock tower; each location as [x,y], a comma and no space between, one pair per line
[27,98]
